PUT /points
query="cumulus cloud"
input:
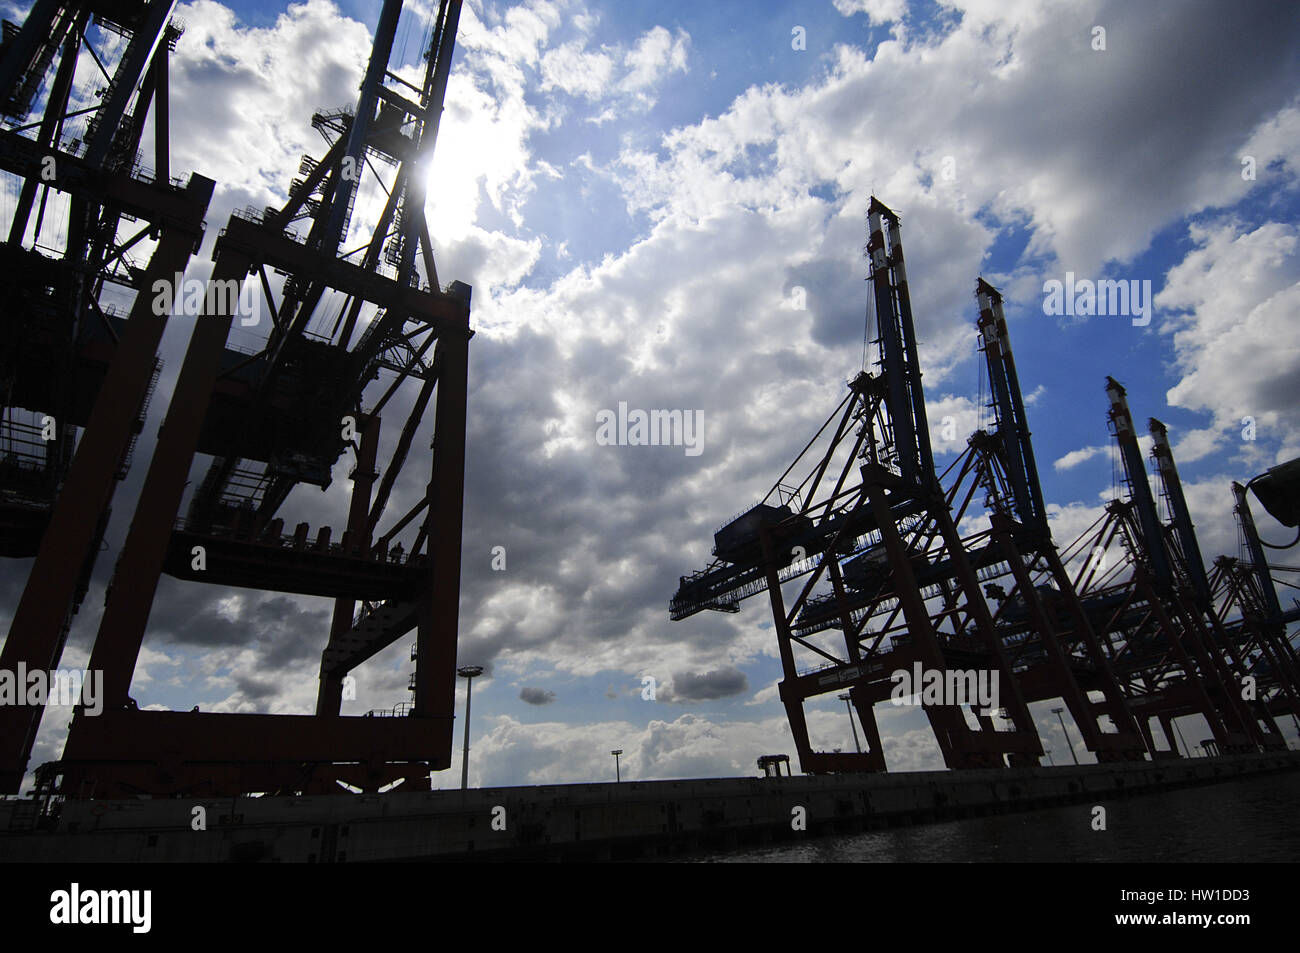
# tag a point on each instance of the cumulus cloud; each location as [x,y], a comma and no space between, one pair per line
[706,686]
[1082,455]
[705,226]
[952,421]
[657,53]
[1234,298]
[576,70]
[877,11]
[1110,451]
[615,70]
[536,696]
[765,696]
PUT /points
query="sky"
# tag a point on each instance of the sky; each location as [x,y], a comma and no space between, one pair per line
[642,196]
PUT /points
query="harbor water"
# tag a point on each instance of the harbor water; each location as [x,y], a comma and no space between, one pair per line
[1253,820]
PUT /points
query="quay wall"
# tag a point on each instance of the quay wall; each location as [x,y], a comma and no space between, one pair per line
[607,821]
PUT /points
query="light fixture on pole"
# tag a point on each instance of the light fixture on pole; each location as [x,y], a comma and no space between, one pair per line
[847,699]
[617,775]
[1179,732]
[469,673]
[1057,713]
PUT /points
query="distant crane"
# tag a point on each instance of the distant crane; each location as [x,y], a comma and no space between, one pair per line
[1123,625]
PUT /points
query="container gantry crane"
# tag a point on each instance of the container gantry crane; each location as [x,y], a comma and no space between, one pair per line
[904,587]
[281,418]
[93,229]
[1124,625]
[1231,645]
[1157,639]
[1244,594]
[1043,624]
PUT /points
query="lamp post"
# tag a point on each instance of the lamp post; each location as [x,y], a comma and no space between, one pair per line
[469,673]
[1179,732]
[1057,713]
[1050,760]
[847,699]
[617,775]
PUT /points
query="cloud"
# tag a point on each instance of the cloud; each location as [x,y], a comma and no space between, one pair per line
[1196,444]
[240,109]
[953,420]
[1069,523]
[1110,450]
[577,71]
[1234,298]
[690,746]
[765,696]
[656,54]
[877,11]
[686,240]
[536,696]
[706,686]
[615,70]
[1082,455]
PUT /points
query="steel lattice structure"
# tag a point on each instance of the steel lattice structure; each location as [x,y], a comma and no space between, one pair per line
[92,229]
[904,586]
[1135,630]
[280,418]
